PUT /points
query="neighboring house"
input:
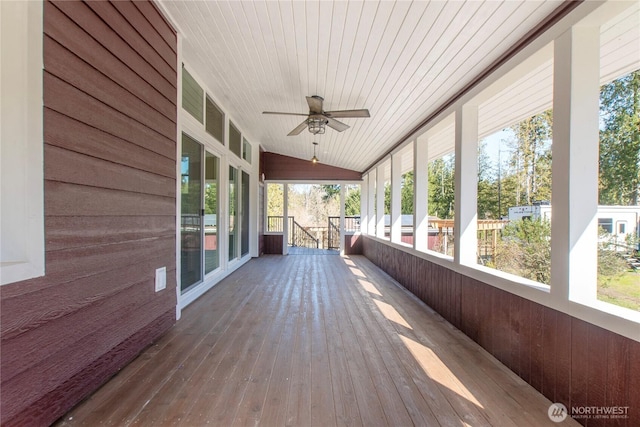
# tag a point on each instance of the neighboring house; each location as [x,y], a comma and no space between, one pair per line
[621,222]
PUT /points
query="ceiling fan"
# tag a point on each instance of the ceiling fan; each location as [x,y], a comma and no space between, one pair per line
[317,118]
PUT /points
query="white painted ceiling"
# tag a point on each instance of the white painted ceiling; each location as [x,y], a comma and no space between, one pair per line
[401,60]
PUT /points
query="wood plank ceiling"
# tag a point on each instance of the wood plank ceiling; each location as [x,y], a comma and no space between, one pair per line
[401,60]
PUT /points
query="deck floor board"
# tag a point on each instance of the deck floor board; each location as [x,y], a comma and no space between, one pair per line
[312,340]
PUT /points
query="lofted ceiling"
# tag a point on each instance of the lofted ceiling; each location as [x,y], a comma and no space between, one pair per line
[401,60]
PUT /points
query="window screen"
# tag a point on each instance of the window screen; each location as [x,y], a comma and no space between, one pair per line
[235,140]
[192,96]
[215,121]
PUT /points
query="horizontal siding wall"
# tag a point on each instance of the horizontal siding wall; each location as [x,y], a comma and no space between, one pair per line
[277,167]
[110,203]
[272,244]
[566,359]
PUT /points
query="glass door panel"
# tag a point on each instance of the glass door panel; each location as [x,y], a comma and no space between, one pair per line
[233,213]
[211,177]
[191,213]
[244,214]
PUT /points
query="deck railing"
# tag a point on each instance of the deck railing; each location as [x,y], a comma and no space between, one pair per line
[298,235]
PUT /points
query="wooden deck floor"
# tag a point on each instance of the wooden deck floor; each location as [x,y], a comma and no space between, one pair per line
[313,341]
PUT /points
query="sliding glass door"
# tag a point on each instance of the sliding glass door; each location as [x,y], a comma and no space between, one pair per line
[244,214]
[199,213]
[233,213]
[190,213]
[211,176]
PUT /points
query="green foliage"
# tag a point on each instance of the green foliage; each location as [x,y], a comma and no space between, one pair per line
[487,185]
[610,264]
[406,193]
[525,250]
[442,187]
[530,161]
[211,199]
[330,191]
[620,141]
[275,200]
[387,198]
[352,202]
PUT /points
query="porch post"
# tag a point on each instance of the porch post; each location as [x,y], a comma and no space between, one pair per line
[466,185]
[420,194]
[380,201]
[575,164]
[371,207]
[285,219]
[342,191]
[396,207]
[364,204]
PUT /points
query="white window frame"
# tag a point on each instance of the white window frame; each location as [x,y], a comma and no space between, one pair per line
[21,142]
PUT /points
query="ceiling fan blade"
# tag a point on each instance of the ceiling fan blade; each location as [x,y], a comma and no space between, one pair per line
[348,113]
[286,114]
[298,129]
[333,123]
[315,104]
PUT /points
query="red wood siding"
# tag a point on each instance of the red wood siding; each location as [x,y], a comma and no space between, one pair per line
[273,244]
[110,204]
[566,359]
[279,167]
[353,244]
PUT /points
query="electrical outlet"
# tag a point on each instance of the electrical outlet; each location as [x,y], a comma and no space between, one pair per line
[161,278]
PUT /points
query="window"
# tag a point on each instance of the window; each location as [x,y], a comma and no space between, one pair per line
[215,121]
[21,142]
[514,175]
[352,208]
[440,186]
[619,161]
[246,150]
[402,227]
[192,96]
[235,140]
[606,224]
[275,207]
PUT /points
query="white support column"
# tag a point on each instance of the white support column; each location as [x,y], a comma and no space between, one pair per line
[371,200]
[342,191]
[466,183]
[380,201]
[364,204]
[285,219]
[396,207]
[575,165]
[420,194]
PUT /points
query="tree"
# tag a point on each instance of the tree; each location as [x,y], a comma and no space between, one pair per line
[275,200]
[620,141]
[530,160]
[442,186]
[330,191]
[487,185]
[211,198]
[352,202]
[406,193]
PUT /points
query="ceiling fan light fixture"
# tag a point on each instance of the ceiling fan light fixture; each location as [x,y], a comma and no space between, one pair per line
[314,159]
[316,126]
